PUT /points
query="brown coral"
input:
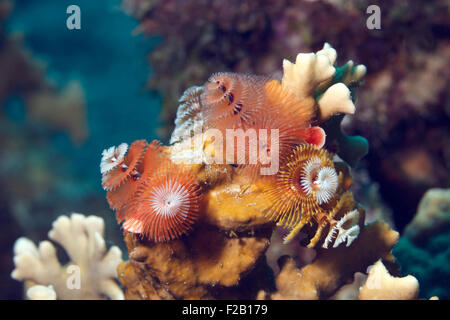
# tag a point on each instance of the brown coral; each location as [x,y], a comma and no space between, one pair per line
[146,164]
[309,194]
[208,264]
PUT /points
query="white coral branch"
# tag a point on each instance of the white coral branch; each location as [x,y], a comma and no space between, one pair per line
[82,238]
[328,51]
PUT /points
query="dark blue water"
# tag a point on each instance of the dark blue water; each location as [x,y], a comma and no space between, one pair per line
[111,65]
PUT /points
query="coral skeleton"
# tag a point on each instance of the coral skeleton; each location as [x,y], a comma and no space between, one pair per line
[199,214]
[82,238]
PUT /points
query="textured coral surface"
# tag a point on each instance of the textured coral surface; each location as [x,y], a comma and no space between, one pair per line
[66,95]
[209,264]
[82,238]
[226,250]
[330,269]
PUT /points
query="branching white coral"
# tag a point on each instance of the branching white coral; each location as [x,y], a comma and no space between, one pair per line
[189,150]
[321,181]
[112,157]
[313,72]
[353,73]
[345,230]
[380,285]
[89,274]
[308,72]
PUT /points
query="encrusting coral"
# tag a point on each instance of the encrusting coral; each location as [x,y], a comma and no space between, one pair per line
[91,272]
[198,215]
[208,264]
[432,215]
[231,199]
[402,111]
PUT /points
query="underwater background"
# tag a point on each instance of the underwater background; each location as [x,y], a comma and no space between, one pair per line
[65,95]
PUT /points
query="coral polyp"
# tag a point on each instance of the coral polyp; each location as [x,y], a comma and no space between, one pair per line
[166,205]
